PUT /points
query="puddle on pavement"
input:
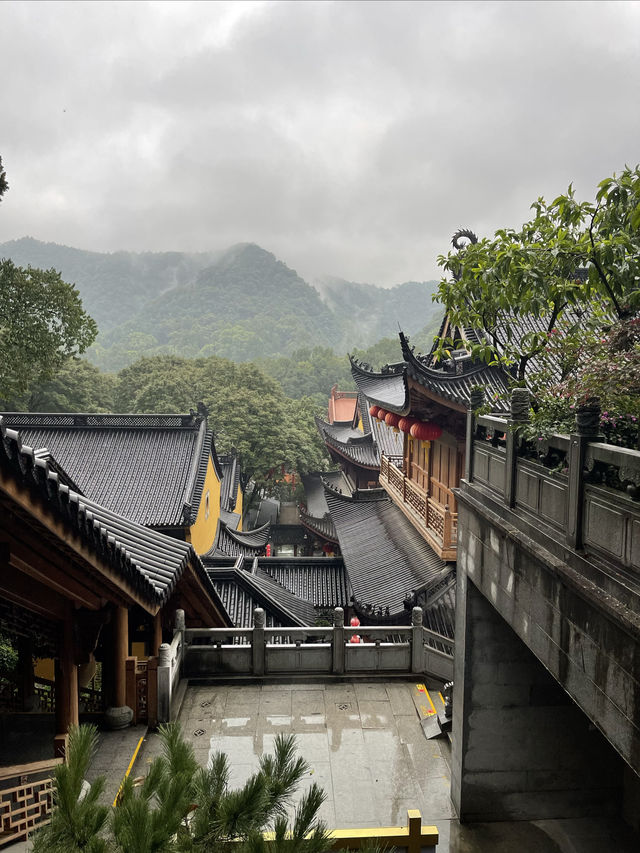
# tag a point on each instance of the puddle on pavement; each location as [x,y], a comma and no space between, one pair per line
[235,722]
[279,719]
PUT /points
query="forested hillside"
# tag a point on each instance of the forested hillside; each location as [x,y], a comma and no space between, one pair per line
[377,312]
[242,304]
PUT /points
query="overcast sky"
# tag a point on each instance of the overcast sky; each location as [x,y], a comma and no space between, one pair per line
[349,138]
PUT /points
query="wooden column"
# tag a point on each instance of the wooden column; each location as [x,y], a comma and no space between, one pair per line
[157,634]
[66,678]
[120,654]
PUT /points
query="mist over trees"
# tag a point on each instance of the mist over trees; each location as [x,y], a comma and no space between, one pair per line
[242,303]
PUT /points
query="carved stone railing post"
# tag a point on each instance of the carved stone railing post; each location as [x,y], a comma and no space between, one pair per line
[587,429]
[180,625]
[337,641]
[520,401]
[164,683]
[417,640]
[258,641]
[476,401]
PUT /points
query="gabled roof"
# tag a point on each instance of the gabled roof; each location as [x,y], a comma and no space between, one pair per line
[386,558]
[319,580]
[233,543]
[242,590]
[148,561]
[148,468]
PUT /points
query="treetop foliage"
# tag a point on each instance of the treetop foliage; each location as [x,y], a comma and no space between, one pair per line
[180,807]
[42,324]
[573,267]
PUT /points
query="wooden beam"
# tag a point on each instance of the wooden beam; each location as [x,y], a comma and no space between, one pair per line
[22,589]
[44,518]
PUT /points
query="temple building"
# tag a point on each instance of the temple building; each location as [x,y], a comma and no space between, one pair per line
[358,445]
[426,405]
[82,589]
[160,471]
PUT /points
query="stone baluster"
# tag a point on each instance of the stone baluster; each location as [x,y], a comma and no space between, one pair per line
[417,640]
[476,401]
[520,403]
[337,641]
[258,641]
[587,429]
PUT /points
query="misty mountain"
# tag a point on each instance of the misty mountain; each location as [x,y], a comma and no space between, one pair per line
[241,303]
[375,312]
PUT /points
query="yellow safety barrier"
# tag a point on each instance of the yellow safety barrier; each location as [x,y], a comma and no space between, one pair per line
[413,837]
[131,763]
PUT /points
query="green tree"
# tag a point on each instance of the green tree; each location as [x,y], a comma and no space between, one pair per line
[180,807]
[78,820]
[77,387]
[247,410]
[574,266]
[42,324]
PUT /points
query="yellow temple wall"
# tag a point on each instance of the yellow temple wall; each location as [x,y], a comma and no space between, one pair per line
[203,531]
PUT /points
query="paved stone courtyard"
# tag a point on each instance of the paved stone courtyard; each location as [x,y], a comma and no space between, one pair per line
[365,748]
[363,743]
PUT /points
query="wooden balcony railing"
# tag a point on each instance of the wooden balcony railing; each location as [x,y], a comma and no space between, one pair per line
[26,798]
[435,522]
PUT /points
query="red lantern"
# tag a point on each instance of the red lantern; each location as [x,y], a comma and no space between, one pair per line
[355,622]
[355,638]
[381,415]
[425,431]
[405,424]
[392,420]
[373,411]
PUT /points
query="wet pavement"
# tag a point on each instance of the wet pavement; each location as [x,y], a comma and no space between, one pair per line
[365,747]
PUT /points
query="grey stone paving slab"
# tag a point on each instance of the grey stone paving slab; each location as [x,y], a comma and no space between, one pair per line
[375,714]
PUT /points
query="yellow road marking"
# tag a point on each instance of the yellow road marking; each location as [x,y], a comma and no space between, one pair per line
[441,697]
[129,768]
[423,708]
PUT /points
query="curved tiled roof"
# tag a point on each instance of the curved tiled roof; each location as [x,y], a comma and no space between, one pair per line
[387,388]
[361,449]
[148,468]
[456,386]
[314,490]
[385,556]
[150,562]
[232,543]
[321,526]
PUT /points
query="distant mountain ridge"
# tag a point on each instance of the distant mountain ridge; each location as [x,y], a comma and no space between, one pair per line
[241,303]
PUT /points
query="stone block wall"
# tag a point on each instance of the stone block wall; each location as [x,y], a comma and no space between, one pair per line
[522,750]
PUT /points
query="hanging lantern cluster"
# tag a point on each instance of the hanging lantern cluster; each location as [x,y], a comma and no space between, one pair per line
[425,431]
[422,430]
[405,424]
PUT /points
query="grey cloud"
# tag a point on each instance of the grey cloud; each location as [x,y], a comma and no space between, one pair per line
[348,138]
